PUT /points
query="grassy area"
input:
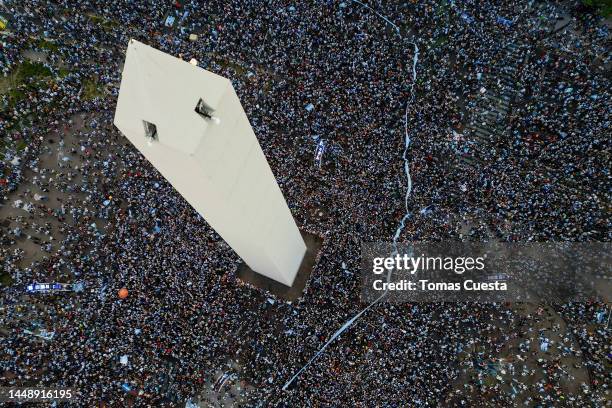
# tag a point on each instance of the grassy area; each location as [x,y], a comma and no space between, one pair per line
[7,83]
[14,97]
[604,7]
[5,279]
[14,88]
[92,89]
[25,76]
[21,145]
[48,45]
[106,24]
[63,72]
[440,41]
[240,70]
[443,8]
[29,70]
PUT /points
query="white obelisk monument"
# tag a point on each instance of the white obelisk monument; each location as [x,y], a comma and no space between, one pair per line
[189,123]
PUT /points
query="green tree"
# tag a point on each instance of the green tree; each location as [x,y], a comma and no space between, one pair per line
[602,6]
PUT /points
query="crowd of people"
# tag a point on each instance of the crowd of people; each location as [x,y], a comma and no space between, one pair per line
[339,71]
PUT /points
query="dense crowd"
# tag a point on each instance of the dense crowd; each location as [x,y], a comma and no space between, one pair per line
[305,71]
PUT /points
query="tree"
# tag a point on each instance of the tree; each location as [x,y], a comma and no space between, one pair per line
[604,7]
